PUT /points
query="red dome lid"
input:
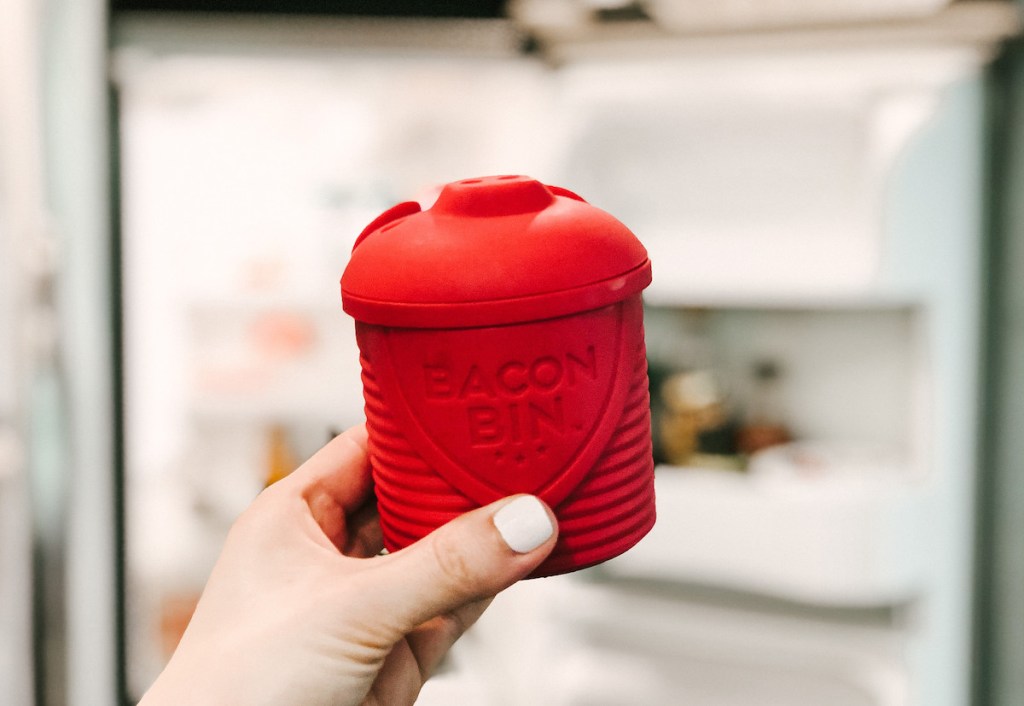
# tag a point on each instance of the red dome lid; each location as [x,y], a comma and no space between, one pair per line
[493,250]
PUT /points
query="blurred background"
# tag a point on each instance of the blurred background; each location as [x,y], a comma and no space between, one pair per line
[835,329]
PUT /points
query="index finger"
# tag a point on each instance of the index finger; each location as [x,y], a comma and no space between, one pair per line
[340,470]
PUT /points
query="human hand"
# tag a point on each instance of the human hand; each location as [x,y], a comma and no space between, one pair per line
[300,610]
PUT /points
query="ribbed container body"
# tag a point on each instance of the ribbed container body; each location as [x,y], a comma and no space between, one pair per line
[558,408]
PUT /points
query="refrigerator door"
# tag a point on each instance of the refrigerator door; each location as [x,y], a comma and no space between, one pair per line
[21,208]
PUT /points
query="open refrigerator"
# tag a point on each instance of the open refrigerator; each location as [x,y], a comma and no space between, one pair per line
[812,195]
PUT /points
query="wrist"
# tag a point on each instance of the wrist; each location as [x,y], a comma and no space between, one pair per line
[181,683]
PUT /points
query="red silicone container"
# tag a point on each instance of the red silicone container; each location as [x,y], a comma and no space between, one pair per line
[501,341]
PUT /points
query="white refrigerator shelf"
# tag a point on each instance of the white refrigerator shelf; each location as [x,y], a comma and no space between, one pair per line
[824,541]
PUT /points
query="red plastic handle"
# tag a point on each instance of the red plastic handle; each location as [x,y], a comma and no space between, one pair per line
[406,208]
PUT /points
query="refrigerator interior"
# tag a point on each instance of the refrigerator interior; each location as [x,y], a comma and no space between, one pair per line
[246,180]
[814,211]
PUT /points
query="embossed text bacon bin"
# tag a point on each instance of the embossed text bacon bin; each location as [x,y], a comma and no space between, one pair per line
[501,341]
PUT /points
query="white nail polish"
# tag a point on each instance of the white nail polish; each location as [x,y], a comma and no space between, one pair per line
[523,524]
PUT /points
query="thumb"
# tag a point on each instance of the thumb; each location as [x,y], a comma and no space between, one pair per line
[472,557]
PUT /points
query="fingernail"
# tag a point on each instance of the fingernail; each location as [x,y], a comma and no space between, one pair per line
[523,524]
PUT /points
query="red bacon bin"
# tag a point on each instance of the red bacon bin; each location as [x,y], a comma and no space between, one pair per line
[502,350]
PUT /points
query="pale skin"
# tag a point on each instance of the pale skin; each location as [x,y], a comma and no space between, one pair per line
[300,610]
